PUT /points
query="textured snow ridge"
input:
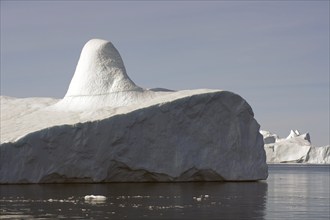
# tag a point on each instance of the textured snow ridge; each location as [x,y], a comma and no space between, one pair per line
[160,136]
[296,148]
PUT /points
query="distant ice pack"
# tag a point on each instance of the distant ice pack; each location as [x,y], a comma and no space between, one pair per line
[296,148]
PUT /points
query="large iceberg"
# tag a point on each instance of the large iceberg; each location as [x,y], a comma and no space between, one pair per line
[107,129]
[296,148]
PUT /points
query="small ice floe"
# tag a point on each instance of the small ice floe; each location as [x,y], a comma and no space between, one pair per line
[201,197]
[198,199]
[95,199]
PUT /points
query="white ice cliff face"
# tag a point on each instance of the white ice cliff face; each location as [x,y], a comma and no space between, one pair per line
[107,129]
[296,148]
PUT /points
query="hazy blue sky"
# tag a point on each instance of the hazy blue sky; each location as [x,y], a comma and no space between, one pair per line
[275,54]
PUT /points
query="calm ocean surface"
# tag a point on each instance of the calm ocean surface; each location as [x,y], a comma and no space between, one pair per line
[291,192]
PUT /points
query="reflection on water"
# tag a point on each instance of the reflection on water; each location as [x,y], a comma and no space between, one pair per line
[291,192]
[131,200]
[298,192]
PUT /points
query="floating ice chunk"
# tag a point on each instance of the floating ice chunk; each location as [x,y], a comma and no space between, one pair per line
[95,198]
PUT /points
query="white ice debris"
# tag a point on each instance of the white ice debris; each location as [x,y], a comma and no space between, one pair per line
[107,129]
[95,197]
[296,148]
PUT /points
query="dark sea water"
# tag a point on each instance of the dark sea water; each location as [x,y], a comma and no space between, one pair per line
[291,192]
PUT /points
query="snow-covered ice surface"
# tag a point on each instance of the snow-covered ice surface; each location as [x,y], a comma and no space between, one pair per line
[296,148]
[107,129]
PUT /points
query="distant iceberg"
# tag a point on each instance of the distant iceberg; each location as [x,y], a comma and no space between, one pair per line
[296,148]
[108,129]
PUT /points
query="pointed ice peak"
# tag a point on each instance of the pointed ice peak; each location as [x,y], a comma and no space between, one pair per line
[100,71]
[307,137]
[293,133]
[296,133]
